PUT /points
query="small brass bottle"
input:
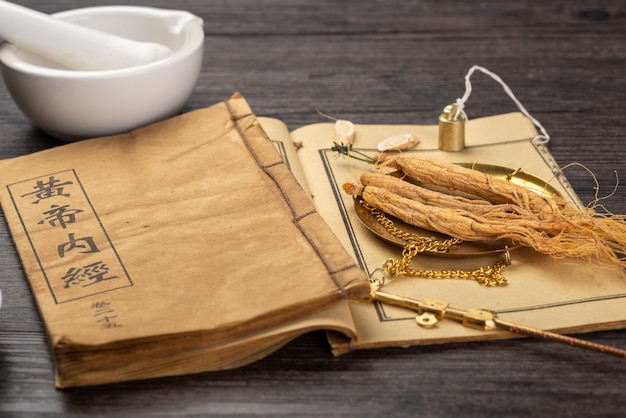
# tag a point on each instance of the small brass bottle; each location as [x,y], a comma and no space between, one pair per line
[451,130]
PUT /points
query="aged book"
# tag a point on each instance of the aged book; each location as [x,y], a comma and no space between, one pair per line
[181,247]
[210,240]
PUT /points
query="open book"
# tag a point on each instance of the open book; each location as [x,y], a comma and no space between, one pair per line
[568,295]
[194,245]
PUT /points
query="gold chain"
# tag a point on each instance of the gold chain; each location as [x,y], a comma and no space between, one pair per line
[414,244]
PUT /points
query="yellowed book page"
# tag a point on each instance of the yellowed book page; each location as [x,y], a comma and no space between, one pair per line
[280,136]
[170,356]
[562,295]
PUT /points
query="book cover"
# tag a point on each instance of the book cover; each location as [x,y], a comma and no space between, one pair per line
[184,246]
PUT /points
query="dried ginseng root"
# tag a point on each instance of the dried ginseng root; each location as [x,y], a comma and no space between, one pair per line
[501,210]
[429,197]
[455,177]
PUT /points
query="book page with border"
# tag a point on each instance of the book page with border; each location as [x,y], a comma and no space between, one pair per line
[565,296]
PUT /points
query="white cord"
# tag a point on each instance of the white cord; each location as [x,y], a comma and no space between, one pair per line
[544,138]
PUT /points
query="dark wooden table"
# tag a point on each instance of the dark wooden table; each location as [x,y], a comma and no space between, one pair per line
[372,62]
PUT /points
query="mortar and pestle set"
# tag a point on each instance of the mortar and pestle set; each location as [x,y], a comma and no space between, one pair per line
[99,71]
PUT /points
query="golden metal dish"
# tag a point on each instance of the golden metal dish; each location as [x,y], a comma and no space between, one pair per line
[467,248]
[518,177]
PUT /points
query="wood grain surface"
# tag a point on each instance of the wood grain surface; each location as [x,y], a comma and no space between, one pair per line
[396,62]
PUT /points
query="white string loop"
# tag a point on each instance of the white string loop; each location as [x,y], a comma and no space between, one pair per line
[543,138]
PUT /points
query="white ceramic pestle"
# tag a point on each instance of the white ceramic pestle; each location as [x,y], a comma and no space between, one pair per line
[71,45]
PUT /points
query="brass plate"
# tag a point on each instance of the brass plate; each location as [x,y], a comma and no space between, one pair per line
[518,177]
[465,249]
